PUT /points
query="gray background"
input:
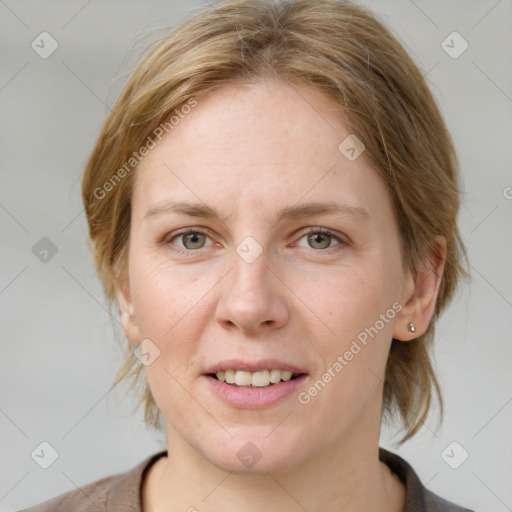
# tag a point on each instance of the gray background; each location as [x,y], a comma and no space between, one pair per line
[59,350]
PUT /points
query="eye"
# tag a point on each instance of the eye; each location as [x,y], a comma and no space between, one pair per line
[320,238]
[191,240]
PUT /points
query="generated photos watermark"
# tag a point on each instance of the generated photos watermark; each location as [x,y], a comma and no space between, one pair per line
[150,143]
[342,360]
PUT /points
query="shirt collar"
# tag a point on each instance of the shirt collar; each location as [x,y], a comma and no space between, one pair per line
[126,492]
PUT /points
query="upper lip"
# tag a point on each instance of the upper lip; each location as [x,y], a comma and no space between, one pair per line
[252,366]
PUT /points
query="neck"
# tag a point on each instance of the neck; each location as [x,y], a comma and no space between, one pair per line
[346,476]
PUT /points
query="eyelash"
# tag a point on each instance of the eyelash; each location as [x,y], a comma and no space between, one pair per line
[189,252]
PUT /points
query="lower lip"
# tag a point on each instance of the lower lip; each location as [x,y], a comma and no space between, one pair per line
[254,398]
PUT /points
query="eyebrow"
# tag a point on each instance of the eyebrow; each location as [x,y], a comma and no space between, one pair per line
[289,212]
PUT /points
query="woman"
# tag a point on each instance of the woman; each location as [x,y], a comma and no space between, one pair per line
[272,203]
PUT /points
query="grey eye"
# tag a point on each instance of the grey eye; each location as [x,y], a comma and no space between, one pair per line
[319,239]
[193,240]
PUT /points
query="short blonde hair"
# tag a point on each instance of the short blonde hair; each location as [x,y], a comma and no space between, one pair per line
[341,50]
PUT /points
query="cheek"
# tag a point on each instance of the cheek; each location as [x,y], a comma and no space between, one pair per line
[351,379]
[358,311]
[167,305]
[349,300]
[164,295]
[167,300]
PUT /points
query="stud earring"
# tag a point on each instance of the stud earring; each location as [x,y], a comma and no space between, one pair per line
[412,327]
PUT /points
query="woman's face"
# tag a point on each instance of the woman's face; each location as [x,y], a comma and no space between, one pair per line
[250,284]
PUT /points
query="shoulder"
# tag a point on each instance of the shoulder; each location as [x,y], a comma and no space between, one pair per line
[435,503]
[418,497]
[89,497]
[116,492]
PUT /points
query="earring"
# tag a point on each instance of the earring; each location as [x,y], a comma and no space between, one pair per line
[412,327]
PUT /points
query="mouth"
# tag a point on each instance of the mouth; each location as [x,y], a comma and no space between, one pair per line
[243,389]
[244,384]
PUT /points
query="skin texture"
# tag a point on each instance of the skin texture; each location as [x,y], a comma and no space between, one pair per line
[247,151]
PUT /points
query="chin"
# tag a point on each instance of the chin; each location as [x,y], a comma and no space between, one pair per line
[255,451]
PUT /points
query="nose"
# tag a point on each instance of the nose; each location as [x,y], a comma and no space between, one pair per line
[253,297]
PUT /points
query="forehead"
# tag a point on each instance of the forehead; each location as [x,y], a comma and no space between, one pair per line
[262,144]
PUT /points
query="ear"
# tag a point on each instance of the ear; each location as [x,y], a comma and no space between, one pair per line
[420,294]
[127,311]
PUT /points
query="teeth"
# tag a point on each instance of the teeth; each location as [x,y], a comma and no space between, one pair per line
[260,378]
[243,378]
[275,376]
